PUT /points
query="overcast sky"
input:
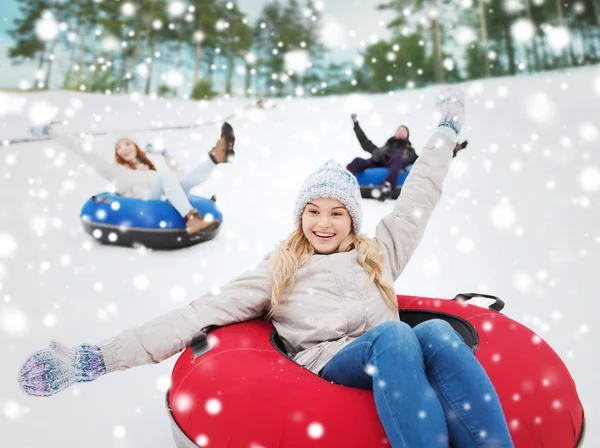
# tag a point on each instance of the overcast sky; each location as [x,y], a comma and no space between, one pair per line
[349,22]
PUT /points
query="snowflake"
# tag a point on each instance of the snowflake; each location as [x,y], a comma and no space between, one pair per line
[119,432]
[315,430]
[213,406]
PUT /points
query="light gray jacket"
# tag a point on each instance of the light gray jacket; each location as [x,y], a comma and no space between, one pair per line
[332,303]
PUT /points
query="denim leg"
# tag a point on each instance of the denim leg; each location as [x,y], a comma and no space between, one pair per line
[167,185]
[472,408]
[358,165]
[389,361]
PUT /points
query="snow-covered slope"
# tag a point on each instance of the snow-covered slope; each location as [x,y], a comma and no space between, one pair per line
[519,218]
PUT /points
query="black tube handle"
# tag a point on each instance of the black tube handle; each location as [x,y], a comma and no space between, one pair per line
[199,343]
[497,306]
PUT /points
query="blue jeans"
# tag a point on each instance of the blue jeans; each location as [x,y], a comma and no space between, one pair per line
[429,389]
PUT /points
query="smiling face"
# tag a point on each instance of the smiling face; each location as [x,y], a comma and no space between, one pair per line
[401,132]
[126,149]
[326,223]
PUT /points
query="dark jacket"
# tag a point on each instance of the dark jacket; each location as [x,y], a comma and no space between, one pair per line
[381,156]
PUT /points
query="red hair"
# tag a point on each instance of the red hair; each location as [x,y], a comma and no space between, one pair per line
[139,154]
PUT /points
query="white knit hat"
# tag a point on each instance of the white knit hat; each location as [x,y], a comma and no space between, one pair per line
[334,181]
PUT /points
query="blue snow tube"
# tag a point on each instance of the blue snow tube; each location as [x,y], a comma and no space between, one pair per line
[114,219]
[372,178]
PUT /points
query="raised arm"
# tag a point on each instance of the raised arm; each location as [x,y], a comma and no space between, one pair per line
[365,143]
[103,167]
[400,232]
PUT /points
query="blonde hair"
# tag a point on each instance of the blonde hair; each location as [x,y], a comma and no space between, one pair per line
[294,252]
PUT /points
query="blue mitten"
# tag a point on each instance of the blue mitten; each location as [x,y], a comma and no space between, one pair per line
[41,131]
[52,370]
[451,104]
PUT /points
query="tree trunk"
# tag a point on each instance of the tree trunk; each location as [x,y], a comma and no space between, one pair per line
[136,46]
[248,80]
[484,38]
[83,35]
[512,68]
[71,60]
[536,57]
[41,60]
[211,61]
[437,49]
[49,65]
[229,79]
[197,55]
[151,67]
[179,47]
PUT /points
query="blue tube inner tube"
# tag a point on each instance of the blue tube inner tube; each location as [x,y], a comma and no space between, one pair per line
[372,178]
[118,220]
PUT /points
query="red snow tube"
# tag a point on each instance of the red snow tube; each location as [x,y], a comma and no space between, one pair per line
[245,393]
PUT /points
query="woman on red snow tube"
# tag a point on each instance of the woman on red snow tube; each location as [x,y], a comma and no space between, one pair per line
[282,404]
[329,293]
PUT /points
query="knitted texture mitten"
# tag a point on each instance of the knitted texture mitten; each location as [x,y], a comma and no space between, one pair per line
[49,371]
[41,131]
[451,104]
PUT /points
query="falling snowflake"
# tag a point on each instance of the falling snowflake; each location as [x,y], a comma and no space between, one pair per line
[12,410]
[315,430]
[8,245]
[588,132]
[522,282]
[49,320]
[213,406]
[183,402]
[465,245]
[296,61]
[589,179]
[119,432]
[503,216]
[47,28]
[140,281]
[42,112]
[540,108]
[13,321]
[163,383]
[177,293]
[202,440]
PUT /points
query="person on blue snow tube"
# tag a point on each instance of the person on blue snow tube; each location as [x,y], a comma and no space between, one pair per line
[329,292]
[396,155]
[135,176]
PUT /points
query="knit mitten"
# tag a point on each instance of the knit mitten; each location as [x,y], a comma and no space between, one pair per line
[49,371]
[41,131]
[152,150]
[451,104]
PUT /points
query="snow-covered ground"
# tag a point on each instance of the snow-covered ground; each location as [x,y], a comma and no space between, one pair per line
[519,218]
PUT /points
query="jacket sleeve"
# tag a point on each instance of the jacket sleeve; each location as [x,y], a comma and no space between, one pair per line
[244,298]
[365,143]
[400,232]
[103,167]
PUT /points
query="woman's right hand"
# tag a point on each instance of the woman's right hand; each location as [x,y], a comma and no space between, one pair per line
[52,370]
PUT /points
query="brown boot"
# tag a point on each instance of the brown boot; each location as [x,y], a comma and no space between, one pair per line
[194,223]
[223,151]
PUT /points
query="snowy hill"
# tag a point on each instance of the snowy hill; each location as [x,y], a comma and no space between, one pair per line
[519,218]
